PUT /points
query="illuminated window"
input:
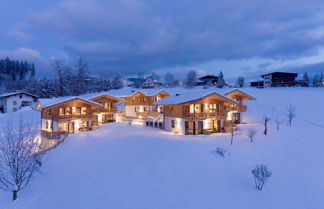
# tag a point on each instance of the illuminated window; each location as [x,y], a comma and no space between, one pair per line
[83,110]
[76,110]
[212,107]
[67,111]
[61,111]
[146,109]
[136,109]
[142,99]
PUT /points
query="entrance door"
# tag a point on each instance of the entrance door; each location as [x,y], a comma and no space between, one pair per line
[199,127]
[189,127]
[71,127]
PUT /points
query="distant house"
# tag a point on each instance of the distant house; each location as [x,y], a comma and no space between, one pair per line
[278,79]
[150,83]
[133,82]
[207,80]
[11,102]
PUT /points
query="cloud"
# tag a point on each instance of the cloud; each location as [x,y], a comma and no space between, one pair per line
[141,35]
[21,53]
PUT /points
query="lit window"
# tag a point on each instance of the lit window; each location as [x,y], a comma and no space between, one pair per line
[83,110]
[136,109]
[61,111]
[146,109]
[67,110]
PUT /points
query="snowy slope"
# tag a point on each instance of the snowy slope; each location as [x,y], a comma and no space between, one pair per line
[134,167]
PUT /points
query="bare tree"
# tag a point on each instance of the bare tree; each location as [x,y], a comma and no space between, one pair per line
[19,159]
[278,122]
[291,113]
[251,133]
[265,120]
[191,79]
[261,174]
[234,130]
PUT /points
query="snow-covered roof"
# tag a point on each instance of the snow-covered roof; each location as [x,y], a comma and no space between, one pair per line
[98,94]
[15,93]
[191,96]
[240,92]
[54,101]
[146,92]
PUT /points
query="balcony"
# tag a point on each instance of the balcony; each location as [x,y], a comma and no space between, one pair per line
[75,116]
[148,114]
[205,115]
[53,135]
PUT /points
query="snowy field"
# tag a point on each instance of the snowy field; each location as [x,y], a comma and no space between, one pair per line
[134,167]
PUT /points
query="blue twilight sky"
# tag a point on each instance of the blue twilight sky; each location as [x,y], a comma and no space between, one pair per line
[239,37]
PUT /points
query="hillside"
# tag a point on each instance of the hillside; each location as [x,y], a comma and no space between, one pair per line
[134,167]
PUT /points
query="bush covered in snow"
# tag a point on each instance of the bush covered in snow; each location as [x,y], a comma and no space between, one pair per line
[261,175]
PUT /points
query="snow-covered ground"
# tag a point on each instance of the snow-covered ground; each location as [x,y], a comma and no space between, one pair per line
[134,167]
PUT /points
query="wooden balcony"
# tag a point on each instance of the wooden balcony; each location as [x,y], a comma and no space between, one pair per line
[53,135]
[75,116]
[148,114]
[205,115]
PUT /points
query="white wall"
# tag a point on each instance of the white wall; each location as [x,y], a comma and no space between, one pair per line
[130,110]
[179,125]
[9,106]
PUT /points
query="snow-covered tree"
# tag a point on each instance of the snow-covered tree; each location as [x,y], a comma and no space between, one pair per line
[240,82]
[117,82]
[191,79]
[19,159]
[169,80]
[81,78]
[63,77]
[261,174]
[221,81]
[306,78]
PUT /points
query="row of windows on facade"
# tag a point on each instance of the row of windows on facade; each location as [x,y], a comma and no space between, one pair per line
[146,109]
[23,103]
[197,108]
[73,110]
[143,99]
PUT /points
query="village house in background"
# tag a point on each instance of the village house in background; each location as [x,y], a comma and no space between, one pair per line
[208,80]
[278,79]
[150,83]
[11,102]
[194,113]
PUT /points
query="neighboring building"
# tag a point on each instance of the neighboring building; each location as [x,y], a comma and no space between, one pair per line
[208,80]
[67,115]
[134,82]
[194,113]
[76,114]
[140,105]
[150,83]
[11,102]
[110,112]
[278,79]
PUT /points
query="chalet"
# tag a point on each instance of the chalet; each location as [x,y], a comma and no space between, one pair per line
[67,115]
[11,102]
[140,106]
[110,111]
[75,114]
[197,113]
[207,80]
[278,79]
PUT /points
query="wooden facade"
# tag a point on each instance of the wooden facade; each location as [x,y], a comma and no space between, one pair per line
[210,114]
[141,106]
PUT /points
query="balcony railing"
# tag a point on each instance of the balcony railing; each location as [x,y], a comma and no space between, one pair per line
[75,116]
[146,114]
[205,115]
[53,135]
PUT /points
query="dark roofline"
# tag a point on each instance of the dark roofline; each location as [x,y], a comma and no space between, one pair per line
[295,74]
[208,76]
[17,92]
